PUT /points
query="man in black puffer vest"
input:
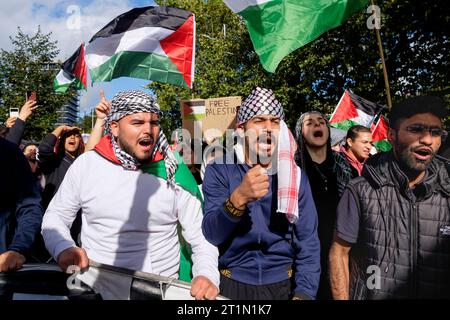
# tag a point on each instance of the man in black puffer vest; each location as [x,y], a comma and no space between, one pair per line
[395,218]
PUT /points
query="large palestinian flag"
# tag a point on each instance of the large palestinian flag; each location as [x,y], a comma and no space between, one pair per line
[352,110]
[153,43]
[380,134]
[278,27]
[73,71]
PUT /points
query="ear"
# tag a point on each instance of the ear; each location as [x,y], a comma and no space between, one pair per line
[391,136]
[349,142]
[114,126]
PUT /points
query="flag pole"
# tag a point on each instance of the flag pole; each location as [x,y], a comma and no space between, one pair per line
[383,63]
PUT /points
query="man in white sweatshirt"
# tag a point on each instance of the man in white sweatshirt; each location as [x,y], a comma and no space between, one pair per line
[133,192]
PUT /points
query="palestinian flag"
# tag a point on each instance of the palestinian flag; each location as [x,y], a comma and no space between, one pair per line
[153,43]
[278,27]
[194,110]
[379,135]
[72,71]
[352,110]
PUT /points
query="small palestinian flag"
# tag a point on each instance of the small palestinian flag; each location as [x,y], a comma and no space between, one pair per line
[72,71]
[194,110]
[379,135]
[153,43]
[352,110]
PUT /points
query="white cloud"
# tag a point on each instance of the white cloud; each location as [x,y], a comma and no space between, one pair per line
[29,14]
[53,16]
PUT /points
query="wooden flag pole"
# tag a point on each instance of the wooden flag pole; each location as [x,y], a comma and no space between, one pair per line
[383,63]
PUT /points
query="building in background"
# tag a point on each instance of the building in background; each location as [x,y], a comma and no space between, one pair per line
[68,114]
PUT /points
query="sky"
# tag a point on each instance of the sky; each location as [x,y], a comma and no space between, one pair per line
[71,23]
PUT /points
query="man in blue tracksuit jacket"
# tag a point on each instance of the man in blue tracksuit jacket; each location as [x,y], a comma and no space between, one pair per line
[262,254]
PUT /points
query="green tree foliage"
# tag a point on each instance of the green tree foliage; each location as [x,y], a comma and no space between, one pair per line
[86,122]
[414,34]
[29,66]
[225,64]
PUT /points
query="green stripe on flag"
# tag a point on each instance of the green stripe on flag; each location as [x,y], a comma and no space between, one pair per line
[382,145]
[344,125]
[61,88]
[185,179]
[79,85]
[279,27]
[194,116]
[140,65]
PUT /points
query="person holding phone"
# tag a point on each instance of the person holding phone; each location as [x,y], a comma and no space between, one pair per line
[13,112]
[17,124]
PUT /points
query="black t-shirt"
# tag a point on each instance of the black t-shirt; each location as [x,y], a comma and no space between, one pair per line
[347,218]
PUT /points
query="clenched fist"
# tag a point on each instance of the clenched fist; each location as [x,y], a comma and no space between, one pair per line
[254,186]
[73,257]
[11,261]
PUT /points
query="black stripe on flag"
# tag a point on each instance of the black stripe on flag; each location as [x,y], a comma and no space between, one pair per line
[161,16]
[69,65]
[368,107]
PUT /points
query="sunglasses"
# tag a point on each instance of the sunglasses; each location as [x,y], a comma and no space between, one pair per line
[421,129]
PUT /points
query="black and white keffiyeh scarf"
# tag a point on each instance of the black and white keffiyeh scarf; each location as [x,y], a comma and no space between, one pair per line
[129,102]
[262,101]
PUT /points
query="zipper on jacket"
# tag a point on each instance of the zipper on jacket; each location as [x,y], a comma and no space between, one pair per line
[414,231]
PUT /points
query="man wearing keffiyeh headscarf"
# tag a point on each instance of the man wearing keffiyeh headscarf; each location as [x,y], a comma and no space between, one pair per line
[259,210]
[134,193]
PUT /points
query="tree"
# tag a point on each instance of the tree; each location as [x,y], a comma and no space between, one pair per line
[414,35]
[30,66]
[86,122]
[224,64]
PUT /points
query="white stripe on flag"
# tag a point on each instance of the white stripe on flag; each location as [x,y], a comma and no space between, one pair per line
[142,40]
[239,5]
[198,110]
[61,79]
[363,118]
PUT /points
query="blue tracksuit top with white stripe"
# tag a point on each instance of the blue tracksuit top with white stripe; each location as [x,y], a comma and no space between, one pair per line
[256,248]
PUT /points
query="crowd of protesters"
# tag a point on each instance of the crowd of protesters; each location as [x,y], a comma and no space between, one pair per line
[276,216]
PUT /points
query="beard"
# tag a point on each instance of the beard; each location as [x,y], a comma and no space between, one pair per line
[258,155]
[409,163]
[128,149]
[31,157]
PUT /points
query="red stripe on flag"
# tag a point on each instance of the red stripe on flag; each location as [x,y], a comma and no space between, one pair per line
[80,70]
[187,110]
[381,130]
[345,110]
[179,47]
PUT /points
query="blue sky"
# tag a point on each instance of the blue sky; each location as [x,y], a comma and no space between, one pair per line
[71,23]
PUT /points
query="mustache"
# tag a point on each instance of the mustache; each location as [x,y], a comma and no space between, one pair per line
[423,149]
[265,137]
[147,140]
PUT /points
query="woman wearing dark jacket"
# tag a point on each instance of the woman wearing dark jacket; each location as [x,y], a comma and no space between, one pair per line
[56,153]
[328,173]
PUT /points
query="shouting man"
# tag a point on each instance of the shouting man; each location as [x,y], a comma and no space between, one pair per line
[133,191]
